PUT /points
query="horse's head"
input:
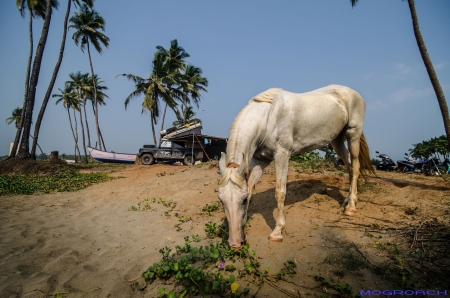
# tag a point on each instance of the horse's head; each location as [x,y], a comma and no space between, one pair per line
[233,193]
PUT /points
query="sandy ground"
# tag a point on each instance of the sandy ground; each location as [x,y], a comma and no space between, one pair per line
[89,244]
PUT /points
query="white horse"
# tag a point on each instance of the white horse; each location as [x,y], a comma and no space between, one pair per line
[277,124]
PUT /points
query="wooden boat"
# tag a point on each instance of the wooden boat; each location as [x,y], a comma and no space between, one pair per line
[111,157]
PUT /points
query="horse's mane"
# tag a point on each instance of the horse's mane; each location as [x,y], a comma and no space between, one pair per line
[233,175]
[266,96]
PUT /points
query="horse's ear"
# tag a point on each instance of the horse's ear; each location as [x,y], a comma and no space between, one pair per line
[222,163]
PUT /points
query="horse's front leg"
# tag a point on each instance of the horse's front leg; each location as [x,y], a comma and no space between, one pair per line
[281,169]
[256,169]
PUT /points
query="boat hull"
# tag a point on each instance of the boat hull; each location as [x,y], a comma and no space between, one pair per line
[111,157]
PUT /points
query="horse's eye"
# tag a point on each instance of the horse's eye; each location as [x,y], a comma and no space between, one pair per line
[244,202]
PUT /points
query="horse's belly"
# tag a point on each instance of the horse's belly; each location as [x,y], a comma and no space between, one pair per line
[318,126]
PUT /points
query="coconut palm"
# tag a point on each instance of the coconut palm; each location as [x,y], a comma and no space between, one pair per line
[191,84]
[158,87]
[87,23]
[80,85]
[76,3]
[15,117]
[100,100]
[429,67]
[174,58]
[69,98]
[36,8]
[185,116]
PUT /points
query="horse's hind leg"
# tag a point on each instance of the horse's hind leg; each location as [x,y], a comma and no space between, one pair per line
[339,146]
[352,164]
[353,148]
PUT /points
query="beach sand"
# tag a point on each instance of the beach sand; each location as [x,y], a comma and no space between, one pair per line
[89,243]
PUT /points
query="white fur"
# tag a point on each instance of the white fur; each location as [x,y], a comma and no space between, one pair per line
[276,124]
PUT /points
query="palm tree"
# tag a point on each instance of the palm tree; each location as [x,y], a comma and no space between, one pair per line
[37,127]
[36,8]
[185,116]
[191,84]
[100,100]
[175,59]
[87,23]
[159,86]
[69,98]
[429,67]
[15,117]
[80,85]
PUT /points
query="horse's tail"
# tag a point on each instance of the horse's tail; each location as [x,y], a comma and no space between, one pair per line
[365,164]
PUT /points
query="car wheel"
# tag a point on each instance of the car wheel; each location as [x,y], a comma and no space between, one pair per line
[188,160]
[147,159]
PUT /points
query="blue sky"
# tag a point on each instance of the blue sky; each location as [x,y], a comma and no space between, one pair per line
[243,48]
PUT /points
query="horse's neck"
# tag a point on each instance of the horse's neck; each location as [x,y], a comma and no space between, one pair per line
[243,139]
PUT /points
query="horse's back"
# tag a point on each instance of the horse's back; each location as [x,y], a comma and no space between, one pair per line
[310,120]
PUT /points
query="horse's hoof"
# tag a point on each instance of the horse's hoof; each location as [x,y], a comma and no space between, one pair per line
[350,212]
[276,239]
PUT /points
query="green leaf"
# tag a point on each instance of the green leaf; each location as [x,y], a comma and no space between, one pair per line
[171,294]
[183,293]
[215,285]
[161,291]
[166,268]
[232,278]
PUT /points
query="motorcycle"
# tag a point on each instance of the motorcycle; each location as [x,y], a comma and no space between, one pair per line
[387,164]
[408,165]
[432,167]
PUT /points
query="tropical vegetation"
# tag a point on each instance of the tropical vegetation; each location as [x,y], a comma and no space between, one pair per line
[171,79]
[88,23]
[75,95]
[434,147]
[186,115]
[42,9]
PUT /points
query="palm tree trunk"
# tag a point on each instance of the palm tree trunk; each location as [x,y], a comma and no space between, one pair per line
[162,122]
[37,126]
[430,69]
[185,111]
[95,97]
[153,127]
[71,127]
[25,141]
[27,83]
[76,135]
[101,136]
[87,125]
[42,152]
[82,135]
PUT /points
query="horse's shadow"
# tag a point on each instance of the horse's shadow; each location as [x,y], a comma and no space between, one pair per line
[264,203]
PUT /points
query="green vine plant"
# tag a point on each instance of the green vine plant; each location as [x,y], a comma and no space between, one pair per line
[343,290]
[209,209]
[214,269]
